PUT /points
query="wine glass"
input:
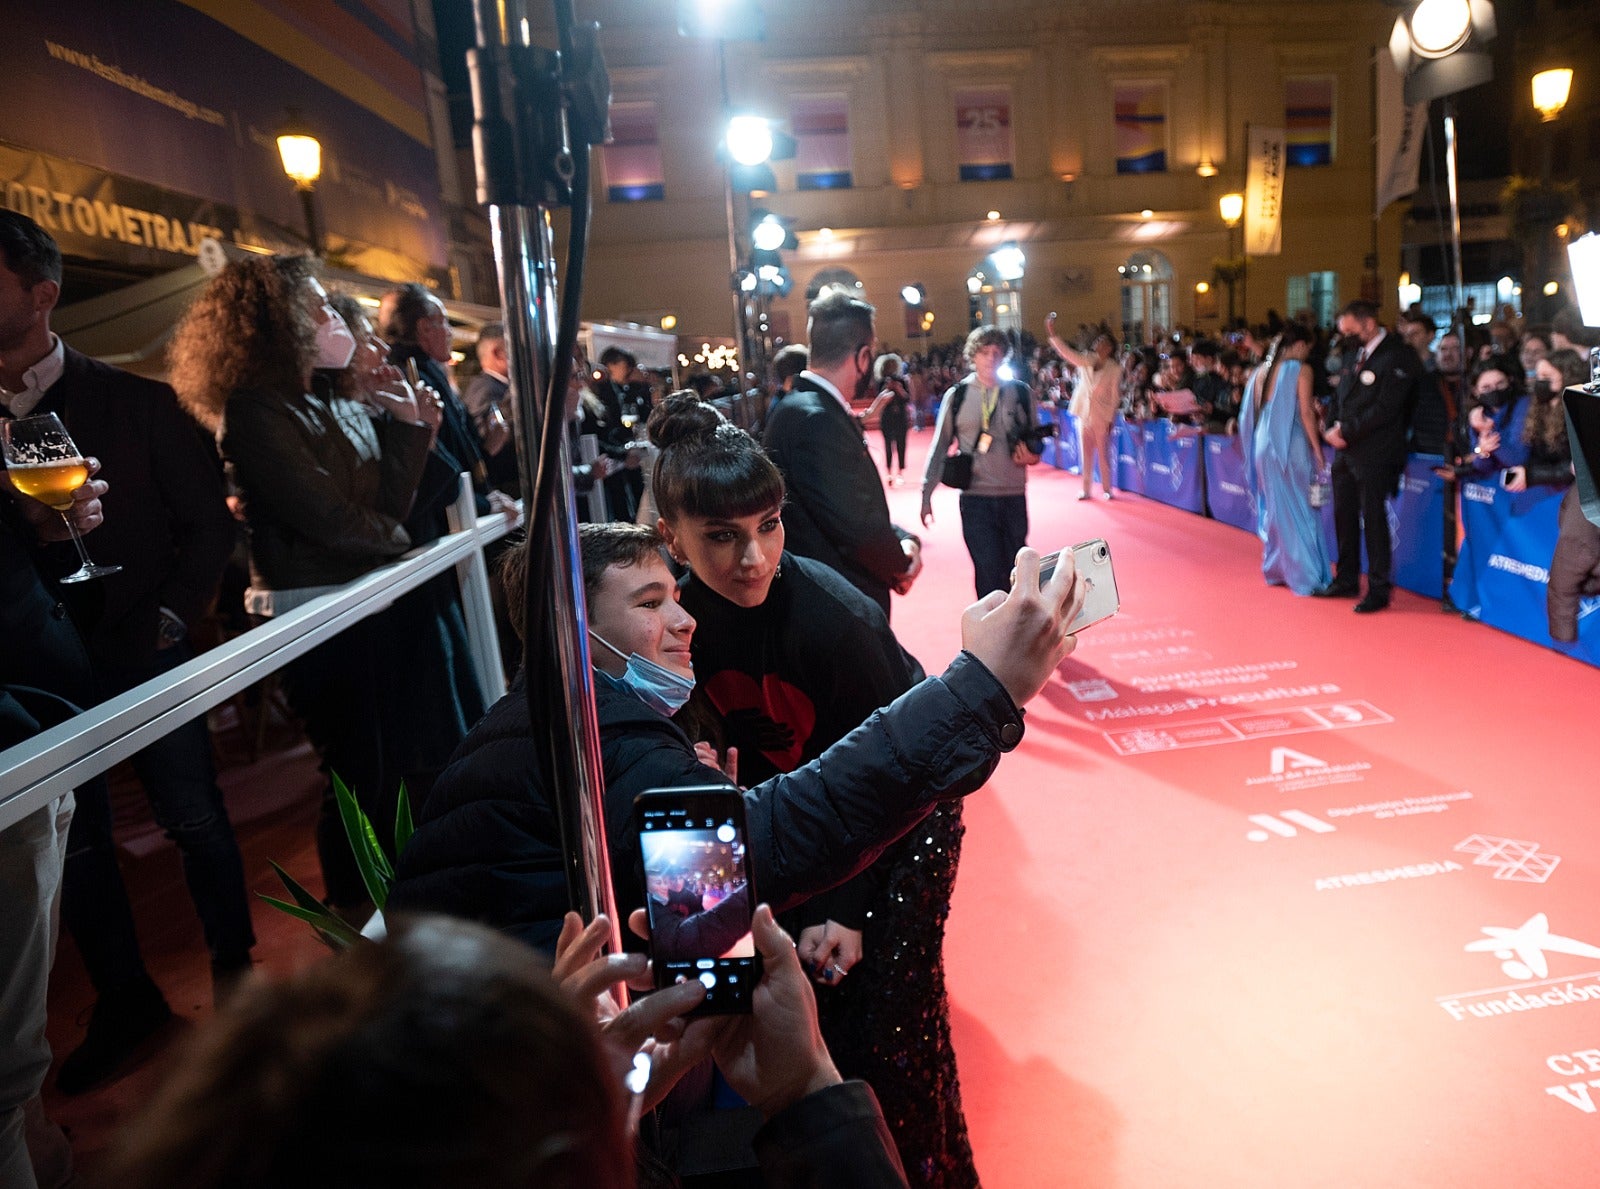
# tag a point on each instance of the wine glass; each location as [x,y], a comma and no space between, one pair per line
[42,462]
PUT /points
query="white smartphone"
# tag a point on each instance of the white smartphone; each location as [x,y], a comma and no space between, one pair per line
[1092,560]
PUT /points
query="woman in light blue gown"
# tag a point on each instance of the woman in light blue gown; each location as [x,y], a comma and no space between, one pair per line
[1283,455]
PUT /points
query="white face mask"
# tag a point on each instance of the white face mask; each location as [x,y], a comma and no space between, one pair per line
[336,346]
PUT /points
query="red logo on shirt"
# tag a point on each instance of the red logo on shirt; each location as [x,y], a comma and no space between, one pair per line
[779,715]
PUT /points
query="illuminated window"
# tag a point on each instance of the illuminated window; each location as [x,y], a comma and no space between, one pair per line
[983,133]
[1141,113]
[822,133]
[1308,119]
[633,158]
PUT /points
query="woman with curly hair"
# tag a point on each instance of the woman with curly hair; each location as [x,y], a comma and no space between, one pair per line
[328,485]
[1544,431]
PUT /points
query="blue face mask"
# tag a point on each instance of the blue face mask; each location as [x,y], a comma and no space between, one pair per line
[657,686]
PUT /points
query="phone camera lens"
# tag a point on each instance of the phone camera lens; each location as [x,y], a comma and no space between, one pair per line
[1100,553]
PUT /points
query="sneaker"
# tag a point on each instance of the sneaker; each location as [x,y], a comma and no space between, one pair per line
[121,1030]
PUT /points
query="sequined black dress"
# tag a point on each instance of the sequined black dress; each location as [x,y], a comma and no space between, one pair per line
[783,682]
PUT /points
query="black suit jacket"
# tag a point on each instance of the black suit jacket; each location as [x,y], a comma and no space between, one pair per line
[836,512]
[166,523]
[1375,415]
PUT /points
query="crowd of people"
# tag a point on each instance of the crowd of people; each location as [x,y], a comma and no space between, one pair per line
[739,579]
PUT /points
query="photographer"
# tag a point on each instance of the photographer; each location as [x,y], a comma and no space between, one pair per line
[992,422]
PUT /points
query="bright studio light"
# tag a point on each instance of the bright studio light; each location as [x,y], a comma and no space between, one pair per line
[768,235]
[1009,262]
[911,295]
[749,139]
[1583,254]
[1006,373]
[1440,27]
[1551,288]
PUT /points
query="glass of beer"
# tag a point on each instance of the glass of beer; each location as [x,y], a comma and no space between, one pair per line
[42,463]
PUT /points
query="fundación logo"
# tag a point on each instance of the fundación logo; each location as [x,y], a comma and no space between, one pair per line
[1523,952]
[1511,858]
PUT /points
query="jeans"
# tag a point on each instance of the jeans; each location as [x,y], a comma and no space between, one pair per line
[31,857]
[994,528]
[180,782]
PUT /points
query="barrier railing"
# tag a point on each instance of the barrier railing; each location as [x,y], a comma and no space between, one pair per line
[36,772]
[1503,569]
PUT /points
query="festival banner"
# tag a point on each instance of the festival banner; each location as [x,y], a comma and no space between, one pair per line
[1173,466]
[1067,451]
[1416,528]
[1141,115]
[1503,567]
[1263,194]
[983,134]
[1128,445]
[1227,496]
[1308,115]
[821,126]
[1400,131]
[633,158]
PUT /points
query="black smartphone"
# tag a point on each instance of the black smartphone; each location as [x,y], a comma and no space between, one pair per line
[1509,476]
[694,860]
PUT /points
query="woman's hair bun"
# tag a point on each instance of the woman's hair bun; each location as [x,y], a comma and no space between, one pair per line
[683,418]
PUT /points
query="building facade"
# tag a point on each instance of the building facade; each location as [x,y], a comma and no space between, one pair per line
[1096,138]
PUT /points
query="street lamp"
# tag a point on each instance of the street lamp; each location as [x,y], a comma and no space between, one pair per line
[1550,91]
[301,154]
[1231,207]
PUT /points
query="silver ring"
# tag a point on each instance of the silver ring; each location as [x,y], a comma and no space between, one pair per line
[836,971]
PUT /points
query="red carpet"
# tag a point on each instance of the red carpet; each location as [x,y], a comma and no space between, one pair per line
[1213,921]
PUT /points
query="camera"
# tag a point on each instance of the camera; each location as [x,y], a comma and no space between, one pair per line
[1033,439]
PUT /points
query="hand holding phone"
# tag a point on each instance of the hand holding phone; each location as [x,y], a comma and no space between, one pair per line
[698,893]
[1092,560]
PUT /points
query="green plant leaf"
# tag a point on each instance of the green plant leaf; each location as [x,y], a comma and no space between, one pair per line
[373,864]
[403,825]
[334,930]
[301,896]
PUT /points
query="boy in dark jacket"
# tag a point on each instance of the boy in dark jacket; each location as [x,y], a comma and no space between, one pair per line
[487,846]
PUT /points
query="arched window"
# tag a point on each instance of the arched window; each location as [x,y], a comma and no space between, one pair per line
[991,299]
[1146,296]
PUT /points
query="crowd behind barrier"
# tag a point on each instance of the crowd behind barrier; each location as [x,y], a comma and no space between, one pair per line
[54,761]
[1503,561]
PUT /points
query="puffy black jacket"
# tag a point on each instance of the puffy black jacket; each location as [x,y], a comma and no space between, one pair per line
[487,847]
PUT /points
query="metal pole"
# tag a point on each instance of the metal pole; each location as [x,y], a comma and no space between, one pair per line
[740,327]
[1458,319]
[308,204]
[559,693]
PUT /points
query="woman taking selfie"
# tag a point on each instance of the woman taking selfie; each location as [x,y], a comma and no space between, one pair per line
[789,658]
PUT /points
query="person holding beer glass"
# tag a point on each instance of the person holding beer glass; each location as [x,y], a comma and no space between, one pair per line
[42,463]
[328,487]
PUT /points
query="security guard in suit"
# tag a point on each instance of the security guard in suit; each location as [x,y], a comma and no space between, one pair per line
[1369,418]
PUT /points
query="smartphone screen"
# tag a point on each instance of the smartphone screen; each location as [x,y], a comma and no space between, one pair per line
[698,893]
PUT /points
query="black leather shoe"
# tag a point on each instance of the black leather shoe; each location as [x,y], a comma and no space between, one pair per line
[1373,602]
[1336,590]
[121,1030]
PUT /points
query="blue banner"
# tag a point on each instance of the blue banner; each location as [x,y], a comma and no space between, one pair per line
[1047,451]
[1503,567]
[1226,495]
[1416,528]
[1173,466]
[1128,443]
[1067,444]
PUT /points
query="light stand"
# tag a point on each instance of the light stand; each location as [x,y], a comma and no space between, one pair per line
[536,113]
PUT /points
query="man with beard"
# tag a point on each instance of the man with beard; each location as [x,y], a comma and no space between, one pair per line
[836,512]
[1369,416]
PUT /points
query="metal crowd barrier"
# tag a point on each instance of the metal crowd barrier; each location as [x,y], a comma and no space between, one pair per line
[36,772]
